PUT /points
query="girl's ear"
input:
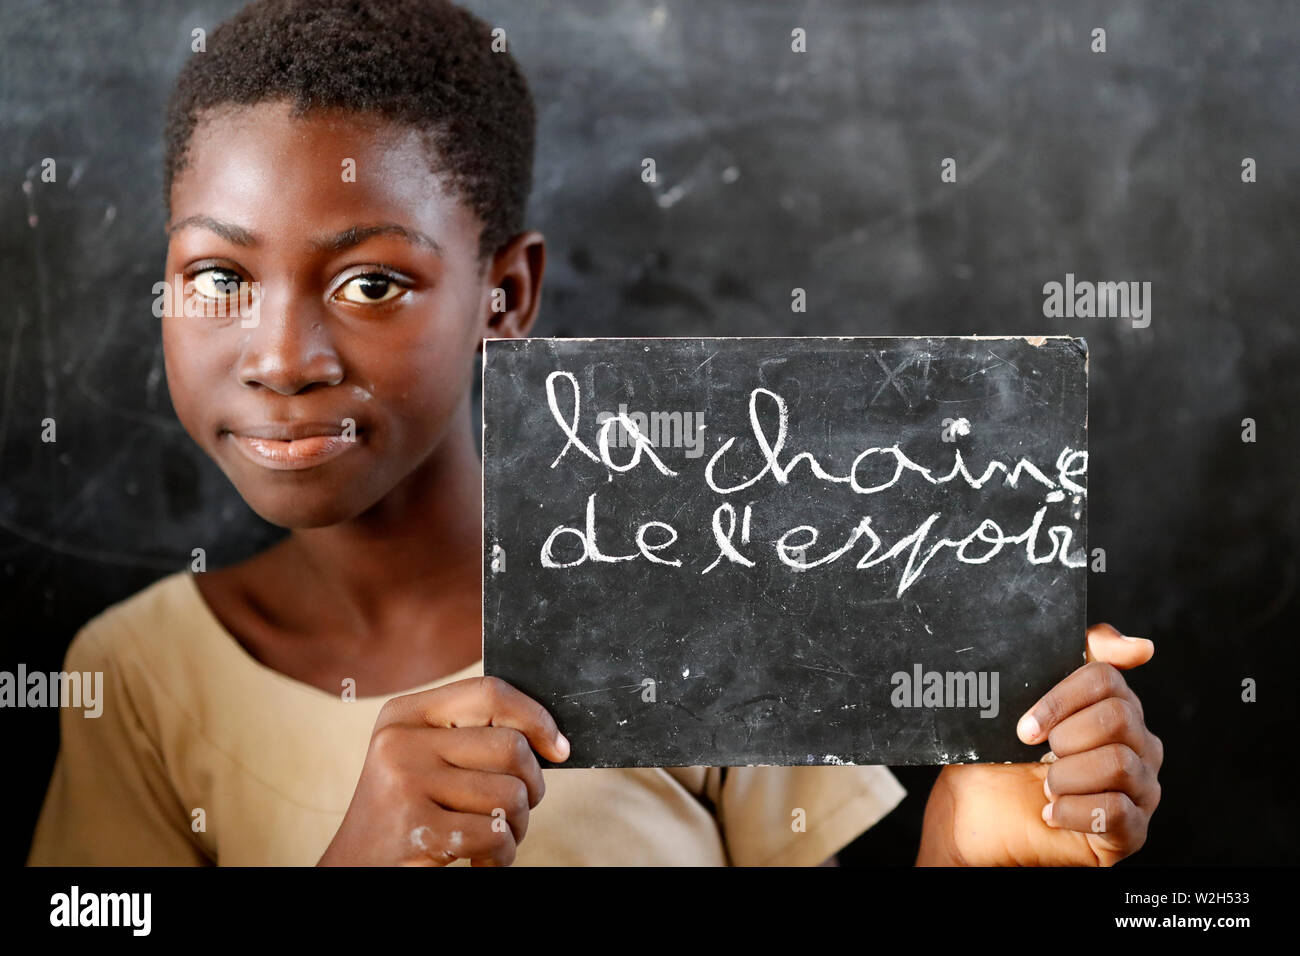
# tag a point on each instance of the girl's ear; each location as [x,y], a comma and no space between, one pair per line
[514,293]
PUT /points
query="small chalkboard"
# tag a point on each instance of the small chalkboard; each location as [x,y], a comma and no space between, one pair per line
[745,551]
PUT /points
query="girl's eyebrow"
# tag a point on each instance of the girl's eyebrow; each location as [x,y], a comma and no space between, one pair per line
[352,236]
[226,230]
[355,235]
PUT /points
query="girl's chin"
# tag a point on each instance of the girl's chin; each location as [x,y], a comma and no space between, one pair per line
[307,498]
[301,512]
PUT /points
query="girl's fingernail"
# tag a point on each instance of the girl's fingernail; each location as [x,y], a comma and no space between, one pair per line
[1028,728]
[1049,757]
[1047,813]
[1129,637]
[562,743]
[1047,791]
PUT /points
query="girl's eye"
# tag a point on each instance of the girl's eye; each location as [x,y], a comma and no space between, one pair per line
[369,289]
[216,283]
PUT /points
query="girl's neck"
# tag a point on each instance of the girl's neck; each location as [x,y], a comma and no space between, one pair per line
[420,547]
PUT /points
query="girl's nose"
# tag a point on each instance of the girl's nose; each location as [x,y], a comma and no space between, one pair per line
[289,350]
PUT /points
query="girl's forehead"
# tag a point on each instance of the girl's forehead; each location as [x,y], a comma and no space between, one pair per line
[263,163]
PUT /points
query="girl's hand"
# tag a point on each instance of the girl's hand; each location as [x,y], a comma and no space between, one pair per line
[1088,803]
[450,774]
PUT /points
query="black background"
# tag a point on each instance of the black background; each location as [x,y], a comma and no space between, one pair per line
[776,171]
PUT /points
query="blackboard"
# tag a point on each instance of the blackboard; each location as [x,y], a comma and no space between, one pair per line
[729,551]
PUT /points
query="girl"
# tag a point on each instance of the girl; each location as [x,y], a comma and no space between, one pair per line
[362,170]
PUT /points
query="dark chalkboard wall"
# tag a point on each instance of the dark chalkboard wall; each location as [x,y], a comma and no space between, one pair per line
[776,171]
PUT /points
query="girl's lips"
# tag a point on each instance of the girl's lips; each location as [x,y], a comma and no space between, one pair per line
[291,455]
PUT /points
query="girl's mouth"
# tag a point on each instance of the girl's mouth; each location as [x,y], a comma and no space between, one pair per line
[292,454]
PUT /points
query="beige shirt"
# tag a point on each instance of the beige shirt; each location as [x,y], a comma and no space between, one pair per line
[192,722]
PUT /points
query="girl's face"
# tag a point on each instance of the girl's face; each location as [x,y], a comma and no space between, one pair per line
[369,305]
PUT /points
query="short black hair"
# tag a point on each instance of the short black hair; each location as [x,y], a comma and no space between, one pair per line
[428,64]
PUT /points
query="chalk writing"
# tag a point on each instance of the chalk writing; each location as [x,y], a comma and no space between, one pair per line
[914,550]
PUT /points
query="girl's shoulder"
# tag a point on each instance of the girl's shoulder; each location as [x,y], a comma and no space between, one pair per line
[161,635]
